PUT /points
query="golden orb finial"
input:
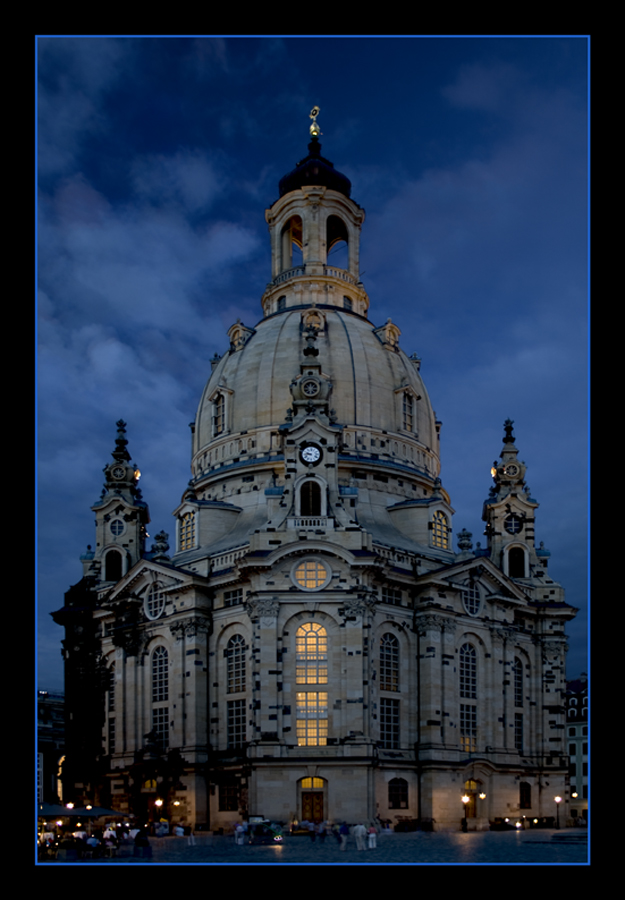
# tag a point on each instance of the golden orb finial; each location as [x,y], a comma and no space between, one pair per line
[315,131]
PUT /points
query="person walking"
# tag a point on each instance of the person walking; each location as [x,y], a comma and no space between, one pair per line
[344,833]
[373,837]
[359,834]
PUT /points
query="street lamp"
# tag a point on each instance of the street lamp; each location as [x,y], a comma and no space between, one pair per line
[558,800]
[465,800]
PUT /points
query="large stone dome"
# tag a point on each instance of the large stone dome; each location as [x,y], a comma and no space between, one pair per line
[374,387]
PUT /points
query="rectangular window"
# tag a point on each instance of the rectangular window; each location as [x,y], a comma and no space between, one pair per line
[389,595]
[160,726]
[111,735]
[219,414]
[518,732]
[236,723]
[187,531]
[389,724]
[468,728]
[407,411]
[233,598]
[229,797]
[312,719]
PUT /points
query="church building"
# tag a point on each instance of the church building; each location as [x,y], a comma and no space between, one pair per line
[308,643]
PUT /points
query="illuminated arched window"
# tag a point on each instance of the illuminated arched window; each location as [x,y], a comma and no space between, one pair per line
[311,669]
[311,653]
[440,531]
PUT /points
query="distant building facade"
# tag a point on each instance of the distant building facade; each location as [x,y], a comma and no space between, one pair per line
[50,744]
[312,646]
[577,737]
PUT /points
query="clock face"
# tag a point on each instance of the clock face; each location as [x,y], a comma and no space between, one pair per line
[118,472]
[311,454]
[512,470]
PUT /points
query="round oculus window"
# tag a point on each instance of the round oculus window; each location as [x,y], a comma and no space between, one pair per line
[310,388]
[311,575]
[513,524]
[117,527]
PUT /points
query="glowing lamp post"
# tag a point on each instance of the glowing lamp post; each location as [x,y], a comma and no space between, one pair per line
[465,800]
[558,802]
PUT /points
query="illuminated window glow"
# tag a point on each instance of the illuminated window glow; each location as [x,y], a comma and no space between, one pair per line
[187,531]
[311,575]
[312,719]
[311,649]
[440,531]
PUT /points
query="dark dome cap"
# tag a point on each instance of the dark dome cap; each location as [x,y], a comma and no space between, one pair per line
[315,169]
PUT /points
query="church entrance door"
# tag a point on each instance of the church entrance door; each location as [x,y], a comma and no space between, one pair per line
[312,806]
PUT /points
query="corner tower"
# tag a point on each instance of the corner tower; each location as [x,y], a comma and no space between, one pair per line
[121,517]
[509,514]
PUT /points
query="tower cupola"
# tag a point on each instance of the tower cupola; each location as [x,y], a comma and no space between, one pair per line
[315,238]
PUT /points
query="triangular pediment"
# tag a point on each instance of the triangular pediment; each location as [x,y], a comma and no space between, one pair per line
[145,573]
[483,570]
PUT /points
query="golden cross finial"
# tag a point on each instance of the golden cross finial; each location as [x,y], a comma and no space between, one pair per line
[315,131]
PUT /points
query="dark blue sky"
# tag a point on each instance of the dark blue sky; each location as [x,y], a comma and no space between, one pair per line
[157,158]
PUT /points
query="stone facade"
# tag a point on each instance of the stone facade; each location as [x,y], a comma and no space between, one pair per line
[313,646]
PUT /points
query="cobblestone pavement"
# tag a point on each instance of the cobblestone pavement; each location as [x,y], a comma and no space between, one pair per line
[549,847]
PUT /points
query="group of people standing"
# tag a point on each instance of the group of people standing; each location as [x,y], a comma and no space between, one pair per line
[365,836]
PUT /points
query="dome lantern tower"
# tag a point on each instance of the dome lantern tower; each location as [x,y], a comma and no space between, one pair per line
[313,216]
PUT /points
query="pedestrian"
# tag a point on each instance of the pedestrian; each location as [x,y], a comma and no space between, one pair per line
[322,831]
[239,834]
[312,831]
[359,834]
[344,833]
[191,836]
[373,837]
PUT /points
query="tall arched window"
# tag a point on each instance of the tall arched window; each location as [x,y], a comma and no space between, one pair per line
[235,656]
[468,698]
[311,670]
[389,663]
[517,670]
[310,498]
[160,696]
[110,707]
[398,793]
[516,562]
[113,566]
[311,647]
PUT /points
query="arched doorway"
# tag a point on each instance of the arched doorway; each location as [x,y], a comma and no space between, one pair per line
[312,799]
